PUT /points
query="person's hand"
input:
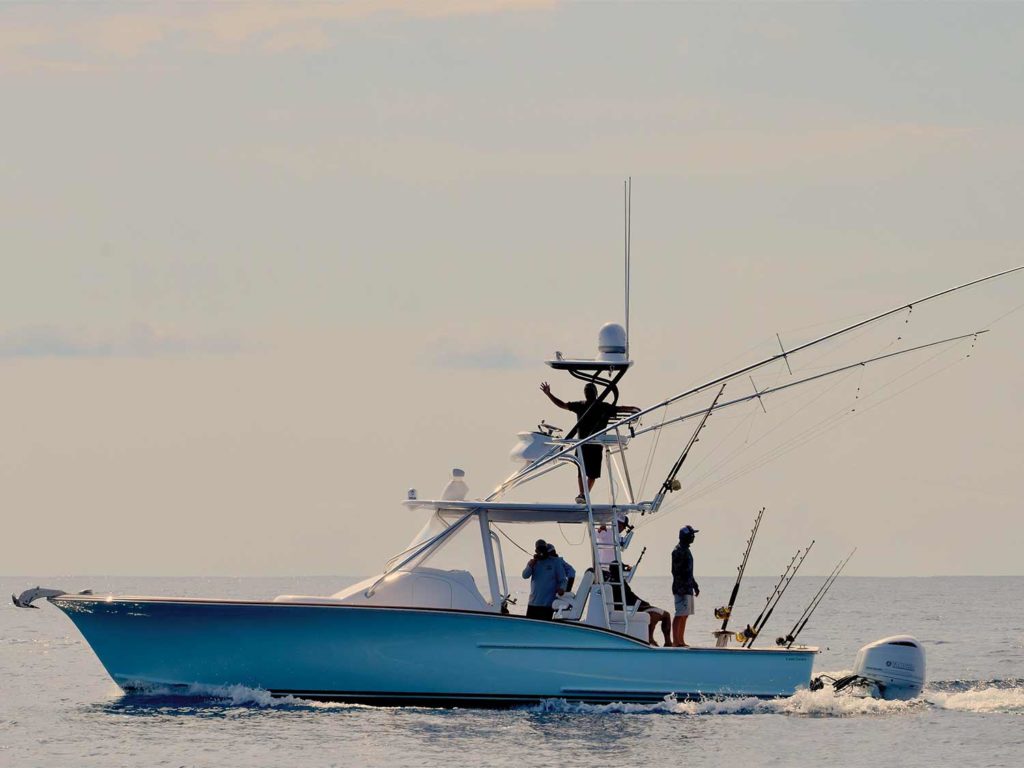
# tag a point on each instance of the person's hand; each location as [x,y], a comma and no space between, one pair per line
[628,567]
[545,388]
[696,591]
[533,562]
[560,592]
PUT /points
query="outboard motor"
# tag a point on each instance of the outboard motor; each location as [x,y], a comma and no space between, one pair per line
[891,668]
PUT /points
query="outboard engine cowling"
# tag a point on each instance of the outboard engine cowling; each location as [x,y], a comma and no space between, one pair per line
[895,664]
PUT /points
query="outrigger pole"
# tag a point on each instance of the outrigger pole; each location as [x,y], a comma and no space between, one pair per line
[671,484]
[725,612]
[555,455]
[751,632]
[798,627]
[842,369]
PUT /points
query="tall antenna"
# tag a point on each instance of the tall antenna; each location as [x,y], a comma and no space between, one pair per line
[627,188]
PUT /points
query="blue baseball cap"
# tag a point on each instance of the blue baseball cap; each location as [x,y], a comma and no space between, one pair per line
[687,530]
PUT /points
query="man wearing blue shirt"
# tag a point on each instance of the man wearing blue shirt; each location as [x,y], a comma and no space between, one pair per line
[570,572]
[547,580]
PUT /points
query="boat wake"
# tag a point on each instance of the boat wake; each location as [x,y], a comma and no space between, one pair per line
[196,697]
[984,697]
[995,696]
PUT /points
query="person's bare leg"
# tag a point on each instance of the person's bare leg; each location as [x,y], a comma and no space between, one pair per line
[579,484]
[679,631]
[666,628]
[653,622]
[590,483]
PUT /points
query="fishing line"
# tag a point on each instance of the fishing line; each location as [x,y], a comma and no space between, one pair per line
[782,423]
[650,453]
[821,427]
[817,430]
[1005,315]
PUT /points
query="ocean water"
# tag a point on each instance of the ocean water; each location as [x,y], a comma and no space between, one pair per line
[59,708]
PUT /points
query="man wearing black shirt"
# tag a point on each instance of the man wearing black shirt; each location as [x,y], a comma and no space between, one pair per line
[655,614]
[592,416]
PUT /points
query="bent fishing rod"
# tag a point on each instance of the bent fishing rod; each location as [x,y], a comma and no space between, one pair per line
[749,368]
[794,633]
[771,609]
[725,612]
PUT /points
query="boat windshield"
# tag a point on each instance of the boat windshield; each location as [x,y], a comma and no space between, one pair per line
[461,552]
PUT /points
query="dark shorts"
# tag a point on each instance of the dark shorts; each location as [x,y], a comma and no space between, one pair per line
[539,612]
[592,456]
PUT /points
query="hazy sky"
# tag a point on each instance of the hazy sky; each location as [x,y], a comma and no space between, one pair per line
[263,268]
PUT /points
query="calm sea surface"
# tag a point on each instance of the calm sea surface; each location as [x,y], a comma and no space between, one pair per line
[59,708]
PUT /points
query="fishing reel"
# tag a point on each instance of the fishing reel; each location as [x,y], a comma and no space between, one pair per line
[723,613]
[745,634]
[787,640]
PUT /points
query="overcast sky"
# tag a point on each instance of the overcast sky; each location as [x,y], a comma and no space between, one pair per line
[263,268]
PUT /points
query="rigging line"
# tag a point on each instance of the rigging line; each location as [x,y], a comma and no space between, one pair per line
[803,438]
[650,453]
[779,425]
[1006,314]
[806,437]
[913,384]
[805,380]
[810,433]
[567,540]
[841,345]
[772,454]
[709,454]
[708,475]
[509,538]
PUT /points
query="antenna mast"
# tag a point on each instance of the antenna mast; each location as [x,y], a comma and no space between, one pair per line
[627,188]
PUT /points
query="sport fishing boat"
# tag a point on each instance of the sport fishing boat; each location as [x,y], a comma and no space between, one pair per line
[435,627]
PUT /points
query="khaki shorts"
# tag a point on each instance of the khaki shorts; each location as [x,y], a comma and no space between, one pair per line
[684,605]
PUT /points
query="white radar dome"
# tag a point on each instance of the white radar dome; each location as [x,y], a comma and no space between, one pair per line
[611,343]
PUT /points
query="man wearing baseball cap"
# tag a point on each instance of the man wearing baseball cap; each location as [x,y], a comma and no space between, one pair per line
[684,586]
[547,580]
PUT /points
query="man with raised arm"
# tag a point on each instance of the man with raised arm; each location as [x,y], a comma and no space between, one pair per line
[684,586]
[592,416]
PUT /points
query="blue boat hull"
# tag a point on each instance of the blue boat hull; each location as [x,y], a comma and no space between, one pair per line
[408,655]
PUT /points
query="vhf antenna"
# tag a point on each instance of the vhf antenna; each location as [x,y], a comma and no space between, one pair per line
[627,188]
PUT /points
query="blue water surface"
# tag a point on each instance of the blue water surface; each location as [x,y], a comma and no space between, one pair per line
[59,708]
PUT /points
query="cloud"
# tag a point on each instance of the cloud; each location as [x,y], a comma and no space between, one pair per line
[37,38]
[857,148]
[137,340]
[460,355]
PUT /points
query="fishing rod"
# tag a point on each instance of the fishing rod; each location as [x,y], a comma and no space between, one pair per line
[671,484]
[632,570]
[745,634]
[758,627]
[821,589]
[789,639]
[725,612]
